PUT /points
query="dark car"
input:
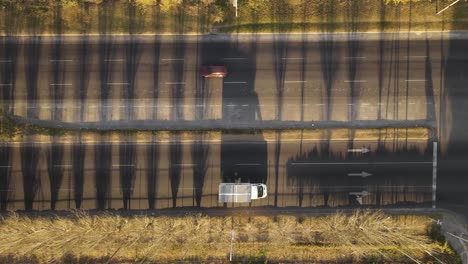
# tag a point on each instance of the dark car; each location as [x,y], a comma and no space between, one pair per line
[212,71]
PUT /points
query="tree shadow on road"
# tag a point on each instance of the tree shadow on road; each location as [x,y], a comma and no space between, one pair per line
[200,151]
[353,11]
[318,173]
[106,20]
[31,180]
[103,173]
[127,158]
[10,14]
[152,171]
[55,169]
[6,190]
[280,11]
[134,15]
[78,171]
[179,46]
[84,50]
[36,12]
[175,166]
[59,67]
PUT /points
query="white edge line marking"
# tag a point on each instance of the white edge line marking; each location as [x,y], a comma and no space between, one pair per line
[416,56]
[60,60]
[416,80]
[233,82]
[117,83]
[292,58]
[115,60]
[185,164]
[123,165]
[175,82]
[60,84]
[294,81]
[207,141]
[434,174]
[362,163]
[176,59]
[359,81]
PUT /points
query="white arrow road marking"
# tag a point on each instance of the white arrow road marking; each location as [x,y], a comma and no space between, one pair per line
[362,150]
[361,174]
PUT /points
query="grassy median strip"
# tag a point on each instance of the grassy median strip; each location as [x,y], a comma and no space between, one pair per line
[13,131]
[362,237]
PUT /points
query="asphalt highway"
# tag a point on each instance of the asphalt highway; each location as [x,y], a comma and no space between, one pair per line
[107,79]
[186,173]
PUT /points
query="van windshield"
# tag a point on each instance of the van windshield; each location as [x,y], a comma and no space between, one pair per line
[260,191]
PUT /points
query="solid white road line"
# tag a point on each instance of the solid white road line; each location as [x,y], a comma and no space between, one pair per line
[294,81]
[123,165]
[114,60]
[172,83]
[60,84]
[186,165]
[359,58]
[415,57]
[358,81]
[175,59]
[362,163]
[434,174]
[416,80]
[117,83]
[60,60]
[234,82]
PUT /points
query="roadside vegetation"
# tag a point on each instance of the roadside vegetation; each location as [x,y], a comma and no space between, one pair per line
[185,16]
[347,16]
[362,237]
[11,130]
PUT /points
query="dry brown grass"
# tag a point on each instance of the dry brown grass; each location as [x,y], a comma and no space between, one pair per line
[337,237]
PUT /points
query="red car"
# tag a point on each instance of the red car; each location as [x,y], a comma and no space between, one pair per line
[211,71]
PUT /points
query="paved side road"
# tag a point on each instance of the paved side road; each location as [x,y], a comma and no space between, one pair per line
[455,229]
